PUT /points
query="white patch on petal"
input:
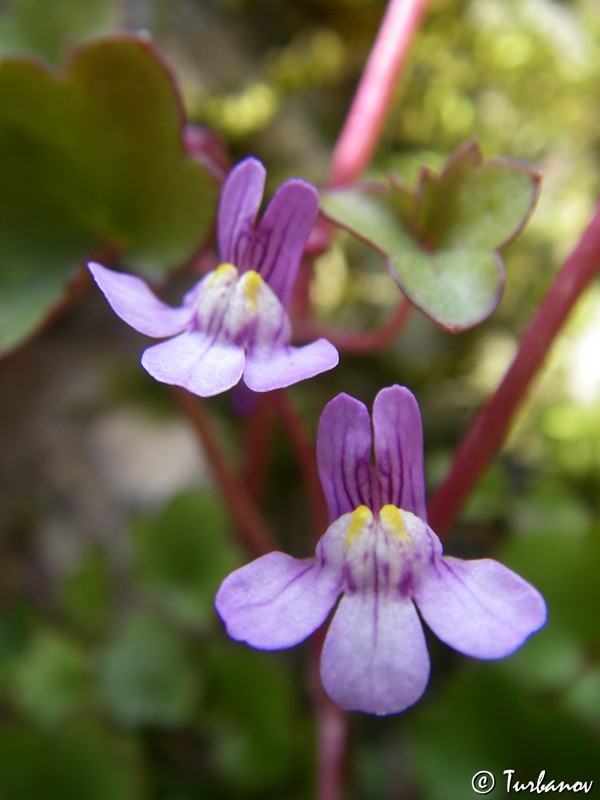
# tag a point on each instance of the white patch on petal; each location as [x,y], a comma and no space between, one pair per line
[389,550]
[241,310]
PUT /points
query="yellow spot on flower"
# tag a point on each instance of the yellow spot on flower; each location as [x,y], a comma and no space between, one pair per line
[361,518]
[252,284]
[223,272]
[392,520]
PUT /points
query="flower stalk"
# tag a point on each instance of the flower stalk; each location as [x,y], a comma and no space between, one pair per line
[488,431]
[374,96]
[253,531]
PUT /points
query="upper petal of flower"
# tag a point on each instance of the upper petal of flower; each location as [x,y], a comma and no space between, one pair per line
[132,300]
[375,658]
[278,244]
[239,203]
[480,608]
[398,438]
[202,365]
[284,365]
[277,601]
[344,455]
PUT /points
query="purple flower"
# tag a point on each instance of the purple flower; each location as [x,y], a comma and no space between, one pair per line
[385,561]
[233,323]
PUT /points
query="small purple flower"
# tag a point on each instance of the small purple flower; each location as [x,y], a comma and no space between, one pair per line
[233,323]
[382,557]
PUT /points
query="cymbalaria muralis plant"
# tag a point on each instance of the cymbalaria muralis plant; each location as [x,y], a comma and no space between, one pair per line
[128,215]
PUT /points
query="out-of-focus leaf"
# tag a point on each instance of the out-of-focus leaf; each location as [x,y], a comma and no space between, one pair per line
[564,566]
[483,721]
[474,203]
[368,214]
[51,679]
[16,623]
[145,676]
[583,698]
[258,737]
[37,27]
[85,595]
[92,159]
[441,240]
[457,287]
[182,554]
[78,761]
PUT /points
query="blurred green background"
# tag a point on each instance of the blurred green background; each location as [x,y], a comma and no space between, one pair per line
[116,680]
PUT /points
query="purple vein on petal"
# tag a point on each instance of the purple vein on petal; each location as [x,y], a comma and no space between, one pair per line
[133,301]
[398,438]
[344,455]
[281,237]
[239,204]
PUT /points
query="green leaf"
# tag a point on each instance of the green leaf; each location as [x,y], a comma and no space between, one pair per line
[564,566]
[37,27]
[441,240]
[78,761]
[92,159]
[259,739]
[182,554]
[498,726]
[145,677]
[475,204]
[51,679]
[368,214]
[456,287]
[86,595]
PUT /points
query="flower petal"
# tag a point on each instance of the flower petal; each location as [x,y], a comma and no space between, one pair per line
[287,365]
[399,450]
[375,658]
[277,601]
[196,362]
[132,300]
[279,242]
[239,203]
[344,455]
[480,608]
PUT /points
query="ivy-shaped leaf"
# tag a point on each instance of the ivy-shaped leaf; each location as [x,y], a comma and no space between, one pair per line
[442,238]
[92,159]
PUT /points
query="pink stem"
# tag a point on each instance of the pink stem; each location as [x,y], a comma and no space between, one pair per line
[488,431]
[373,98]
[252,528]
[361,342]
[305,454]
[332,732]
[257,449]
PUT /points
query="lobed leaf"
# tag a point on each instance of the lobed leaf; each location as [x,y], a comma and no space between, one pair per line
[442,239]
[92,159]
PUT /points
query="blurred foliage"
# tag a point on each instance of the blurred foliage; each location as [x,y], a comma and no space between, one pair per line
[40,29]
[116,680]
[91,160]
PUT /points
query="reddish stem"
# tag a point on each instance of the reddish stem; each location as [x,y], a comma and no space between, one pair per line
[373,98]
[306,458]
[332,732]
[362,342]
[488,431]
[259,430]
[252,528]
